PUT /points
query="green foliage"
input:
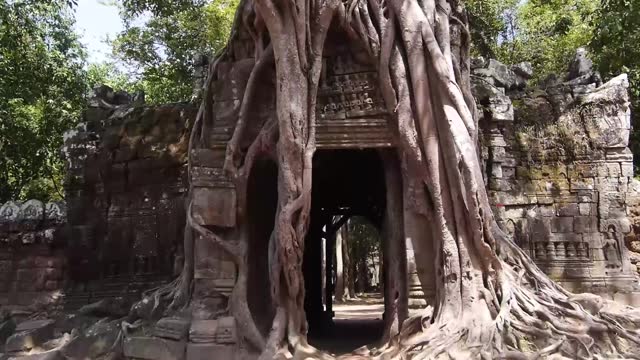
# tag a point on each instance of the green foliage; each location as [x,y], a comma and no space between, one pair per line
[547,34]
[107,73]
[363,246]
[162,38]
[41,92]
[489,20]
[615,45]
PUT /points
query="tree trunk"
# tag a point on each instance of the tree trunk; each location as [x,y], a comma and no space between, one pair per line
[396,309]
[323,269]
[339,291]
[348,264]
[363,273]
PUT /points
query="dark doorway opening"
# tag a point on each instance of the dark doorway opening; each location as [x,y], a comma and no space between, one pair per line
[347,184]
[262,203]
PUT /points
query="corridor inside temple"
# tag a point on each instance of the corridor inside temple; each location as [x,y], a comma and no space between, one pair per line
[348,209]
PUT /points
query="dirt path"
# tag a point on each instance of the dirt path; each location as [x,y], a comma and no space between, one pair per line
[356,323]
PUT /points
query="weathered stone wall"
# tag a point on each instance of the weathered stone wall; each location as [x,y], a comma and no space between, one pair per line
[632,240]
[125,189]
[559,171]
[32,257]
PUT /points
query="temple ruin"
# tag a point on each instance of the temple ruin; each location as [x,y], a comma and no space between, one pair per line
[556,160]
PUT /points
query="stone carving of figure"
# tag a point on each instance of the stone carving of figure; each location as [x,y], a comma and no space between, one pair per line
[612,249]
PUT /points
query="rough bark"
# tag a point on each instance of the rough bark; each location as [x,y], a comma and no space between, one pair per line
[491,299]
[340,288]
[348,278]
[394,253]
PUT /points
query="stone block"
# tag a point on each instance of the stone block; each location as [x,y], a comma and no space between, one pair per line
[497,140]
[545,200]
[172,328]
[587,209]
[514,212]
[517,199]
[210,352]
[582,184]
[496,171]
[565,237]
[562,224]
[546,211]
[208,158]
[203,331]
[508,172]
[498,154]
[613,169]
[30,334]
[510,161]
[500,185]
[594,240]
[501,109]
[226,331]
[585,224]
[581,171]
[151,348]
[619,154]
[627,169]
[588,196]
[571,209]
[214,206]
[542,187]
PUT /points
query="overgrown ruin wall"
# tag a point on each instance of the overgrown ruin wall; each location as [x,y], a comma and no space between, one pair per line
[557,162]
[33,261]
[125,190]
[559,172]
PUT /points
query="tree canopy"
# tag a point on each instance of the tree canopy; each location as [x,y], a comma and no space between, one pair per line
[163,38]
[42,88]
[615,47]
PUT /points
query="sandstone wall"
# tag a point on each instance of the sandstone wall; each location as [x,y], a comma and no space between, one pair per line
[125,189]
[32,256]
[559,171]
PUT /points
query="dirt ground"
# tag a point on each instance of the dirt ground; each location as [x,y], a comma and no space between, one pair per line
[356,323]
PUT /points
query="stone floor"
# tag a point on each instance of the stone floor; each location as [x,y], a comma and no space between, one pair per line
[356,323]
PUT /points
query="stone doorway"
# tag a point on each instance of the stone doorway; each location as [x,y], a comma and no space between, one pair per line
[346,184]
